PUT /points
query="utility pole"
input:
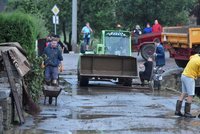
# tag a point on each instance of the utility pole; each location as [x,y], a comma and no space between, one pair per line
[74,26]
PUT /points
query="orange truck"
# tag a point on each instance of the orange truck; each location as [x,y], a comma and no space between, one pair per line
[181,42]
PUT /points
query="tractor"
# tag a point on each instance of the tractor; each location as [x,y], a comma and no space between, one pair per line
[109,60]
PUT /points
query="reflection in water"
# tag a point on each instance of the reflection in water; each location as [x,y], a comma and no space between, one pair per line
[76,115]
[29,131]
[182,122]
[89,132]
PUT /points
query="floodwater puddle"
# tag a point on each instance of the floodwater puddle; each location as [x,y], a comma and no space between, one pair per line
[164,93]
[67,86]
[94,132]
[42,117]
[95,87]
[29,131]
[92,116]
[156,106]
[91,107]
[160,116]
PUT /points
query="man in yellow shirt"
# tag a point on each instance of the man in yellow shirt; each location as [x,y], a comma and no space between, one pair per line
[190,73]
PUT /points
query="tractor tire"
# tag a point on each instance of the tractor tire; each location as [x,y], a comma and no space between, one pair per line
[84,81]
[120,81]
[147,51]
[50,100]
[78,75]
[127,82]
[181,63]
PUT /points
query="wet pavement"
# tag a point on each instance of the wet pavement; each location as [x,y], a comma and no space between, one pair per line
[106,108]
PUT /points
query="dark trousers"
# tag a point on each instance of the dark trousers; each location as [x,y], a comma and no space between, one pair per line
[86,41]
[142,78]
[51,73]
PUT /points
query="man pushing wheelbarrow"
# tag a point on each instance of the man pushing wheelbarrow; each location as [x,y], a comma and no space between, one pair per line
[52,63]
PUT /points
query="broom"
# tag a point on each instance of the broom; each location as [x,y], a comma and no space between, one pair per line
[30,106]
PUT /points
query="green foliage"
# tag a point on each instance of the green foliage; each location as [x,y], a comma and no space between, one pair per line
[42,9]
[35,78]
[168,12]
[64,14]
[30,7]
[100,14]
[14,29]
[25,6]
[23,28]
[106,14]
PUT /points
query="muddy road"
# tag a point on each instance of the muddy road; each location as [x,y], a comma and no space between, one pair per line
[104,108]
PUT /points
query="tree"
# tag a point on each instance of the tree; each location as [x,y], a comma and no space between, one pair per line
[42,8]
[100,14]
[64,16]
[25,6]
[106,14]
[196,11]
[142,11]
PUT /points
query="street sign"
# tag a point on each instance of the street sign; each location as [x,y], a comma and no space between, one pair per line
[55,19]
[55,10]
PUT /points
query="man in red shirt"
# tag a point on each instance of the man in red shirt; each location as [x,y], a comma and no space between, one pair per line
[156,27]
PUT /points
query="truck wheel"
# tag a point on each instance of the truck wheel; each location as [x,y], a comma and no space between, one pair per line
[147,51]
[181,63]
[84,81]
[128,82]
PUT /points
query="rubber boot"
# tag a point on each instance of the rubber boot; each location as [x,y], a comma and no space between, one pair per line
[187,111]
[142,83]
[48,83]
[199,116]
[178,108]
[54,83]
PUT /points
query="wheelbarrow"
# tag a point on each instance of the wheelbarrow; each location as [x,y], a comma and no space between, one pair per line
[51,91]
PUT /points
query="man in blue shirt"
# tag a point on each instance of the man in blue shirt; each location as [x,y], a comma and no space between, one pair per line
[147,29]
[86,31]
[159,53]
[52,62]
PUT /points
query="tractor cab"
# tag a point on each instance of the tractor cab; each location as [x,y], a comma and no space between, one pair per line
[115,42]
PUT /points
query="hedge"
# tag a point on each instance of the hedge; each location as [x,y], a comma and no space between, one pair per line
[25,29]
[22,28]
